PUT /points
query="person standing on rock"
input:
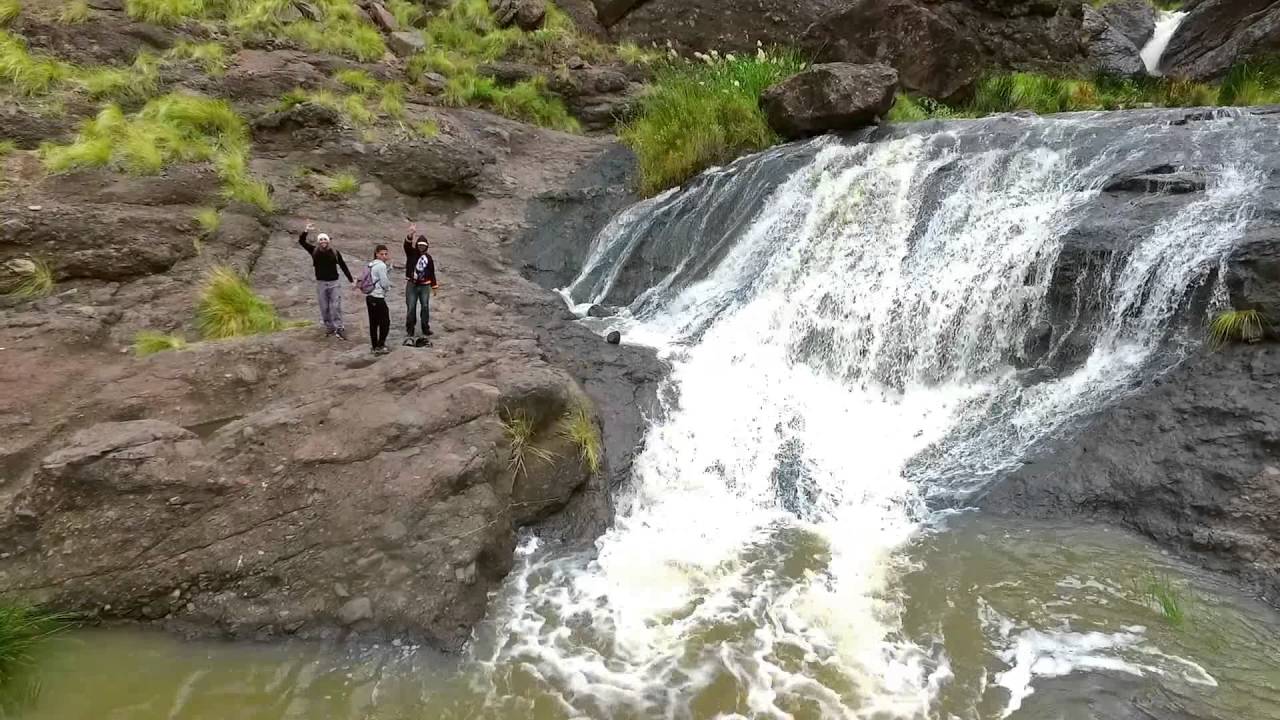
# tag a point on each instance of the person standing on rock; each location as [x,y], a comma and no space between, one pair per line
[374,283]
[327,261]
[420,283]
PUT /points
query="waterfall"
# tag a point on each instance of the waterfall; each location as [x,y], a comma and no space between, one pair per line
[840,318]
[1167,23]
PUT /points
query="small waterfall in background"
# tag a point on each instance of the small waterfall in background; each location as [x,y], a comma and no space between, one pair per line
[1167,22]
[841,320]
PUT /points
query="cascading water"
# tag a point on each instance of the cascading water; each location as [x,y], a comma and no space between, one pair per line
[1167,23]
[841,320]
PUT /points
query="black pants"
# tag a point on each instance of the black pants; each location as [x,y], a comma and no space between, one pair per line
[379,320]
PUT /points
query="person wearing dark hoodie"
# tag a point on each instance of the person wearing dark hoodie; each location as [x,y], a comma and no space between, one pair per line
[420,283]
[327,261]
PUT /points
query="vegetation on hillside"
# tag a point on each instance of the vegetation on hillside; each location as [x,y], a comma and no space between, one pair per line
[22,630]
[28,286]
[150,342]
[1256,83]
[697,115]
[1160,593]
[578,427]
[169,129]
[520,432]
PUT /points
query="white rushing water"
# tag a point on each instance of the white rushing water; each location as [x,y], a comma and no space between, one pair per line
[845,359]
[1167,23]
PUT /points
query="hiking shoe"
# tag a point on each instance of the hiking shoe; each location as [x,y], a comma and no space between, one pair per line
[382,351]
[339,334]
[329,331]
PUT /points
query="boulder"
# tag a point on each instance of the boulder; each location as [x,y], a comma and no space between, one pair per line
[383,18]
[1110,52]
[528,15]
[1220,33]
[611,11]
[262,73]
[406,42]
[1134,19]
[614,338]
[830,97]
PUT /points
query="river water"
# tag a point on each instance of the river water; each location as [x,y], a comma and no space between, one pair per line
[842,321]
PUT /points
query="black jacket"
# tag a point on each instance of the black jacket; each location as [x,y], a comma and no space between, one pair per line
[411,256]
[326,262]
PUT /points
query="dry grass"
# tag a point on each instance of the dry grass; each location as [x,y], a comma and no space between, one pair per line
[150,342]
[579,427]
[36,282]
[229,307]
[520,431]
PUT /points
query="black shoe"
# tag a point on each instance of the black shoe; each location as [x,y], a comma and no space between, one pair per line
[409,342]
[339,334]
[382,351]
[329,331]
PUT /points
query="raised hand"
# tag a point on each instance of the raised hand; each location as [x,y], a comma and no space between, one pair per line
[310,226]
[413,228]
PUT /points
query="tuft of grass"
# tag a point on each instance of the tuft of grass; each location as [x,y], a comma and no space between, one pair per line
[22,631]
[229,307]
[407,14]
[35,282]
[428,128]
[210,55]
[166,12]
[7,147]
[699,115]
[1159,592]
[520,431]
[28,74]
[9,9]
[359,81]
[74,12]
[209,220]
[342,184]
[579,427]
[150,342]
[633,54]
[138,81]
[1249,326]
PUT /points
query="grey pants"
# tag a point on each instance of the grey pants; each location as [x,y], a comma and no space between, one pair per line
[329,293]
[415,296]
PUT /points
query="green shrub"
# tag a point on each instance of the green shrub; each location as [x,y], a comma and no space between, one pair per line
[578,427]
[1251,83]
[150,342]
[209,220]
[407,14]
[228,307]
[9,9]
[1249,326]
[342,184]
[22,630]
[74,12]
[28,286]
[699,115]
[211,56]
[7,147]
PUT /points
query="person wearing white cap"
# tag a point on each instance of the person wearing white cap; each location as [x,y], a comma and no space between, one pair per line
[327,261]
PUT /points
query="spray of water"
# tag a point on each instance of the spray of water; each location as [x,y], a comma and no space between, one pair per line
[845,358]
[1167,23]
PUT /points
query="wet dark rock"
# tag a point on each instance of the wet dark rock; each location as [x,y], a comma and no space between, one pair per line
[614,337]
[1110,51]
[598,311]
[1134,19]
[1218,34]
[831,97]
[1162,179]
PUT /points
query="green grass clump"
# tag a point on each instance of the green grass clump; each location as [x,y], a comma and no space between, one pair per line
[211,56]
[407,14]
[166,12]
[37,283]
[1248,326]
[9,9]
[228,307]
[150,342]
[699,115]
[22,630]
[74,12]
[527,100]
[578,427]
[342,184]
[1159,592]
[7,147]
[428,128]
[359,81]
[28,74]
[1251,83]
[138,81]
[209,220]
[520,431]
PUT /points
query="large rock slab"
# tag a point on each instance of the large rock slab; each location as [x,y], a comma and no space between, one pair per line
[1110,51]
[1220,33]
[830,97]
[1134,19]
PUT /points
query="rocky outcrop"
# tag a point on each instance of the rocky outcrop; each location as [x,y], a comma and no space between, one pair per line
[396,492]
[1135,20]
[1189,461]
[1111,52]
[527,15]
[830,97]
[1220,33]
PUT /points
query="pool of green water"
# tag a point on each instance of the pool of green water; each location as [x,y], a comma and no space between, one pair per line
[1030,621]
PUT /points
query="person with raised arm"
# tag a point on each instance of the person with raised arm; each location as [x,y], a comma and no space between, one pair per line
[420,284]
[327,261]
